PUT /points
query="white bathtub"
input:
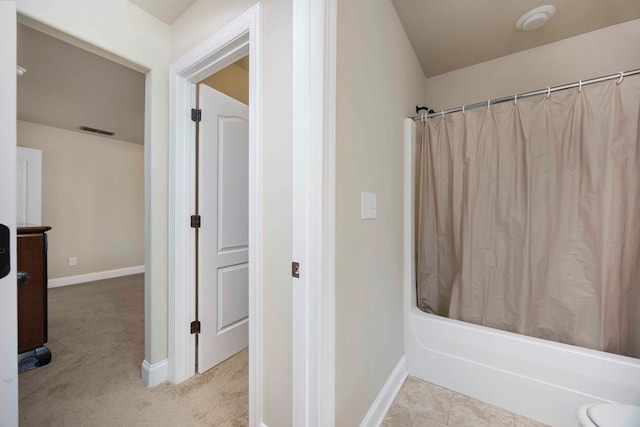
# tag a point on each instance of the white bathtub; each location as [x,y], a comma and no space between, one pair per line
[540,379]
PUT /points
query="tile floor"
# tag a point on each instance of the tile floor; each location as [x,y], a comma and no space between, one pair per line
[422,404]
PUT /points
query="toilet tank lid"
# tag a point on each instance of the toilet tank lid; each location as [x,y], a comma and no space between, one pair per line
[613,414]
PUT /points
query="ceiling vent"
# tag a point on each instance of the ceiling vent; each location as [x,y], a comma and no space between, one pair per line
[98,131]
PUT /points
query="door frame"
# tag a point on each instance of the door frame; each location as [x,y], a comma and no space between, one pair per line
[314,140]
[314,202]
[240,37]
[8,288]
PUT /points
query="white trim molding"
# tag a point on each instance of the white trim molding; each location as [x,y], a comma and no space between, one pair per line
[155,373]
[92,277]
[8,289]
[241,37]
[314,138]
[376,413]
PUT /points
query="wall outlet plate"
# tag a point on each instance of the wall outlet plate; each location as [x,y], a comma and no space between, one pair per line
[368,206]
[73,261]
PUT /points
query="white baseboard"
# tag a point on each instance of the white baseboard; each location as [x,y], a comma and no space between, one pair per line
[154,374]
[91,277]
[381,405]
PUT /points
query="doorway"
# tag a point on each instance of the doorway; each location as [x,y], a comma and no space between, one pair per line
[97,219]
[235,41]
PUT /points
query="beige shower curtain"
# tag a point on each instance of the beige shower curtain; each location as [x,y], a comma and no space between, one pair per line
[529,216]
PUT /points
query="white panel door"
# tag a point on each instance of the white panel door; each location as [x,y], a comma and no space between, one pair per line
[223,251]
[29,186]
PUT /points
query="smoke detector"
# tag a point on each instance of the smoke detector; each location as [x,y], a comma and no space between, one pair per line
[535,18]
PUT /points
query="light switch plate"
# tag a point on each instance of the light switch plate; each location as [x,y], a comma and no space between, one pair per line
[368,206]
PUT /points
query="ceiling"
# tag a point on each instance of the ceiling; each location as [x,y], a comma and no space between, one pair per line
[165,10]
[451,34]
[243,63]
[68,87]
[447,35]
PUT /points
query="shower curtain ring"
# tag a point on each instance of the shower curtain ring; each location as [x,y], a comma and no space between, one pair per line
[489,105]
[442,113]
[463,112]
[548,93]
[621,78]
[580,86]
[515,98]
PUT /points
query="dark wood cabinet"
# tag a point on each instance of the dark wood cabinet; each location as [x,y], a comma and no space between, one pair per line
[32,295]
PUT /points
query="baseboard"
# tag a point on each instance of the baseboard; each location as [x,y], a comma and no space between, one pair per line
[381,405]
[92,277]
[154,374]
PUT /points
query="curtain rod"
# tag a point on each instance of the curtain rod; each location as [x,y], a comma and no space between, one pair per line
[621,75]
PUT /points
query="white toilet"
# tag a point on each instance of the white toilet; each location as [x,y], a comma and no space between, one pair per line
[609,415]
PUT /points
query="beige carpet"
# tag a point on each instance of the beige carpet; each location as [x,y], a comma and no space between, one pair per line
[96,337]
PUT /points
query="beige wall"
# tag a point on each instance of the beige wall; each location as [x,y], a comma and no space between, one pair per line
[201,21]
[123,29]
[602,52]
[233,81]
[379,84]
[92,196]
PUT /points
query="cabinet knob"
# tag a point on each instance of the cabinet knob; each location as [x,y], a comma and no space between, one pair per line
[23,277]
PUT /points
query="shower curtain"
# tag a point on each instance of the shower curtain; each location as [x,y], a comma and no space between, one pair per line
[529,216]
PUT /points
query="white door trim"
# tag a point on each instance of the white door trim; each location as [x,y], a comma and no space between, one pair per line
[242,36]
[314,136]
[8,288]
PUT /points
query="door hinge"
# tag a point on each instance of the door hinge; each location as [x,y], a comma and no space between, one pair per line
[196,115]
[195,221]
[295,269]
[195,327]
